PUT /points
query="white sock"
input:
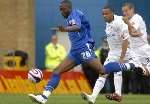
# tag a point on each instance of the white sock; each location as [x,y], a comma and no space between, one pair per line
[128,66]
[46,93]
[100,82]
[118,82]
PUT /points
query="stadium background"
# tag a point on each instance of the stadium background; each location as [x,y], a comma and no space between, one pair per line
[27,25]
[48,10]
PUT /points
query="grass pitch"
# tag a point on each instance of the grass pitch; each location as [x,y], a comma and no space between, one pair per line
[72,99]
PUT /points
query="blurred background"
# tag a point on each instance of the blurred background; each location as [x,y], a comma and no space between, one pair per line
[27,29]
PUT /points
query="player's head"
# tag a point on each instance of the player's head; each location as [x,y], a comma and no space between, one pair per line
[108,13]
[65,8]
[128,9]
[54,39]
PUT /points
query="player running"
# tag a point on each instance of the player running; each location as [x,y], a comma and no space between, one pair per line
[138,39]
[81,51]
[118,39]
[138,33]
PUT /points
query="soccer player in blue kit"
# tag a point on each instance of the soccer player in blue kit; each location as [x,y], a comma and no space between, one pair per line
[81,51]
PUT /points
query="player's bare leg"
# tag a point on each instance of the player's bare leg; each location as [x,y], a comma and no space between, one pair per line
[66,65]
[96,65]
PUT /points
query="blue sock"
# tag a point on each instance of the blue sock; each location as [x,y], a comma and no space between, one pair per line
[116,67]
[53,83]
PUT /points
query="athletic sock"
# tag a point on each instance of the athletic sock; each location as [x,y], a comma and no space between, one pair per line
[118,82]
[98,86]
[52,84]
[116,67]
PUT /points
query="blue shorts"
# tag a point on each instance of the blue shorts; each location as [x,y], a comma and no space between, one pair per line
[83,54]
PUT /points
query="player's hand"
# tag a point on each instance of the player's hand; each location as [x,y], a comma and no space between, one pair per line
[121,60]
[62,29]
[126,20]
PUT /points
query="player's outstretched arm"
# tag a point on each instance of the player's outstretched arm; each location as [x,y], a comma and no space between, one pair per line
[73,28]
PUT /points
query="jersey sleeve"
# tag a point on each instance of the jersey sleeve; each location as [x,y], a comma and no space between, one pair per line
[75,19]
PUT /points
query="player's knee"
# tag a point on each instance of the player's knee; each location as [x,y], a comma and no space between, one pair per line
[101,72]
[104,75]
[98,71]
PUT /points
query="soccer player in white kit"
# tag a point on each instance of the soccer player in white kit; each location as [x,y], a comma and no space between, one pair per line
[118,39]
[137,29]
[138,39]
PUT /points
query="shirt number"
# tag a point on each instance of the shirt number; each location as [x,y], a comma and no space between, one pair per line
[86,55]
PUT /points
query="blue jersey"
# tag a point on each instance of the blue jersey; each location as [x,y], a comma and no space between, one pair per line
[79,39]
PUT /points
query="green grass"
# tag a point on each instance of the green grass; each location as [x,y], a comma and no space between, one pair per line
[72,99]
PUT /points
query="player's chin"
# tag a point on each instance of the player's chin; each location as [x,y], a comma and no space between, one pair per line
[65,16]
[105,19]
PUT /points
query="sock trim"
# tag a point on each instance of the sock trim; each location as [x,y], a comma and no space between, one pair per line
[51,88]
[44,96]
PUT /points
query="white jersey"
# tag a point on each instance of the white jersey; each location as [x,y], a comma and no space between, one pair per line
[139,45]
[116,32]
[138,23]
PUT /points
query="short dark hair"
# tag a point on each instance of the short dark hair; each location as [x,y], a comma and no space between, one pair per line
[130,5]
[67,2]
[108,7]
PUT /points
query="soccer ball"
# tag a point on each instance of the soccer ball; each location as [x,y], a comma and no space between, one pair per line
[35,75]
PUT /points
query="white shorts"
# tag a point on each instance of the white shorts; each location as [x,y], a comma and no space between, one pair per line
[115,56]
[143,54]
[129,58]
